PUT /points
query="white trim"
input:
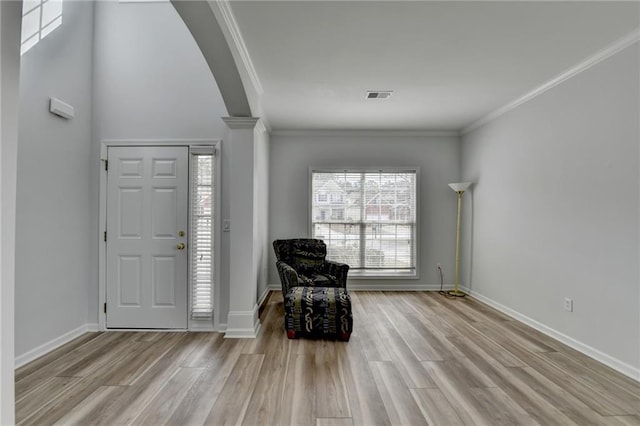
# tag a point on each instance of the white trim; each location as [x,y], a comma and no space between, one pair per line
[366,133]
[238,41]
[243,324]
[92,327]
[598,57]
[102,220]
[274,287]
[265,294]
[143,1]
[52,344]
[204,322]
[201,325]
[620,366]
[102,248]
[147,330]
[418,245]
[253,90]
[261,127]
[153,142]
[351,286]
[390,276]
[241,122]
[217,242]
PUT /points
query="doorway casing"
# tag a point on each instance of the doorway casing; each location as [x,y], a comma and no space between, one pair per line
[216,144]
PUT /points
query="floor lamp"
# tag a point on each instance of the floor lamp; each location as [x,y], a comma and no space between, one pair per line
[459,187]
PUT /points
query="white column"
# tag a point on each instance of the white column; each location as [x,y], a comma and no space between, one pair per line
[10,25]
[243,318]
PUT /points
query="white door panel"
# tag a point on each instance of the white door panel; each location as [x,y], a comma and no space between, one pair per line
[147,207]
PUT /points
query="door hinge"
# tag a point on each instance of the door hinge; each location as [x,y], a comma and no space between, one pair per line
[105,307]
[106,165]
[105,236]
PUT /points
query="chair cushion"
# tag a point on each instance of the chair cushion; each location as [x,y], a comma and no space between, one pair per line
[307,256]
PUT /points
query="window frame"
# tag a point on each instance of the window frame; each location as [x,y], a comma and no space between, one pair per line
[372,274]
[194,152]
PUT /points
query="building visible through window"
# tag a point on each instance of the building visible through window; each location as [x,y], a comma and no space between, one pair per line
[39,19]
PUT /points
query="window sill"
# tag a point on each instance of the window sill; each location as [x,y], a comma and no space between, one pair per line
[378,275]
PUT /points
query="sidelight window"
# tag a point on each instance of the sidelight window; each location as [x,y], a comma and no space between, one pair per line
[201,241]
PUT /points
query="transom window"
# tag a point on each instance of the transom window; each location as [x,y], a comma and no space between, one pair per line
[370,219]
[39,19]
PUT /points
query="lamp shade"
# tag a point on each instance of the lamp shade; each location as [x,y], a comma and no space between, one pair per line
[460,186]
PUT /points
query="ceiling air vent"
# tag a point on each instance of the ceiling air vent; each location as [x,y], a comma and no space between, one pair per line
[379,94]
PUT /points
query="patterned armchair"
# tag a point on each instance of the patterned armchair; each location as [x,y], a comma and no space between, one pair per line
[301,262]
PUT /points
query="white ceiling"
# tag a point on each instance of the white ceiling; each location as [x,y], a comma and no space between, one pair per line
[448,63]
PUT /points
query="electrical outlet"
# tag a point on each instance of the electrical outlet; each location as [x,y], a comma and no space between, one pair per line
[568,304]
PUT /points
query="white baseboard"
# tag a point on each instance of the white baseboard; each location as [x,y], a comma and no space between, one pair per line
[381,286]
[608,360]
[265,293]
[242,333]
[52,344]
[397,287]
[274,287]
[243,324]
[205,325]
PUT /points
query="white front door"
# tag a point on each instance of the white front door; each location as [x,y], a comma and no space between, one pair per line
[147,217]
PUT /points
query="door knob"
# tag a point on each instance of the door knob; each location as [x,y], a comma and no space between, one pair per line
[180,246]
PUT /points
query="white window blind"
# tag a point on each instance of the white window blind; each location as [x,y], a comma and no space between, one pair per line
[39,19]
[368,219]
[201,246]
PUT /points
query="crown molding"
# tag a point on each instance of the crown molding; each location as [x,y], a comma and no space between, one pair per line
[600,56]
[261,127]
[238,41]
[367,133]
[240,122]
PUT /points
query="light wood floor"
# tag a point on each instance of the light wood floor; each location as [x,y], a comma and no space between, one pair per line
[413,359]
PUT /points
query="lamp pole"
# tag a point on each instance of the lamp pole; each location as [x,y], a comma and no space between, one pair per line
[459,188]
[455,291]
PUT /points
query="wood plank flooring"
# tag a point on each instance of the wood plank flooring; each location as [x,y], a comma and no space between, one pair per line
[415,358]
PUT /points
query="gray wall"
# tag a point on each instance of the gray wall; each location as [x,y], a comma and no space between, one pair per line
[555,207]
[52,261]
[150,82]
[437,157]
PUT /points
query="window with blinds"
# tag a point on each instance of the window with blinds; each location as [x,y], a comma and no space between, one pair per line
[201,241]
[367,219]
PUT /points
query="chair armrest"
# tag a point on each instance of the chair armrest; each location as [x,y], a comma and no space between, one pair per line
[338,270]
[288,276]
